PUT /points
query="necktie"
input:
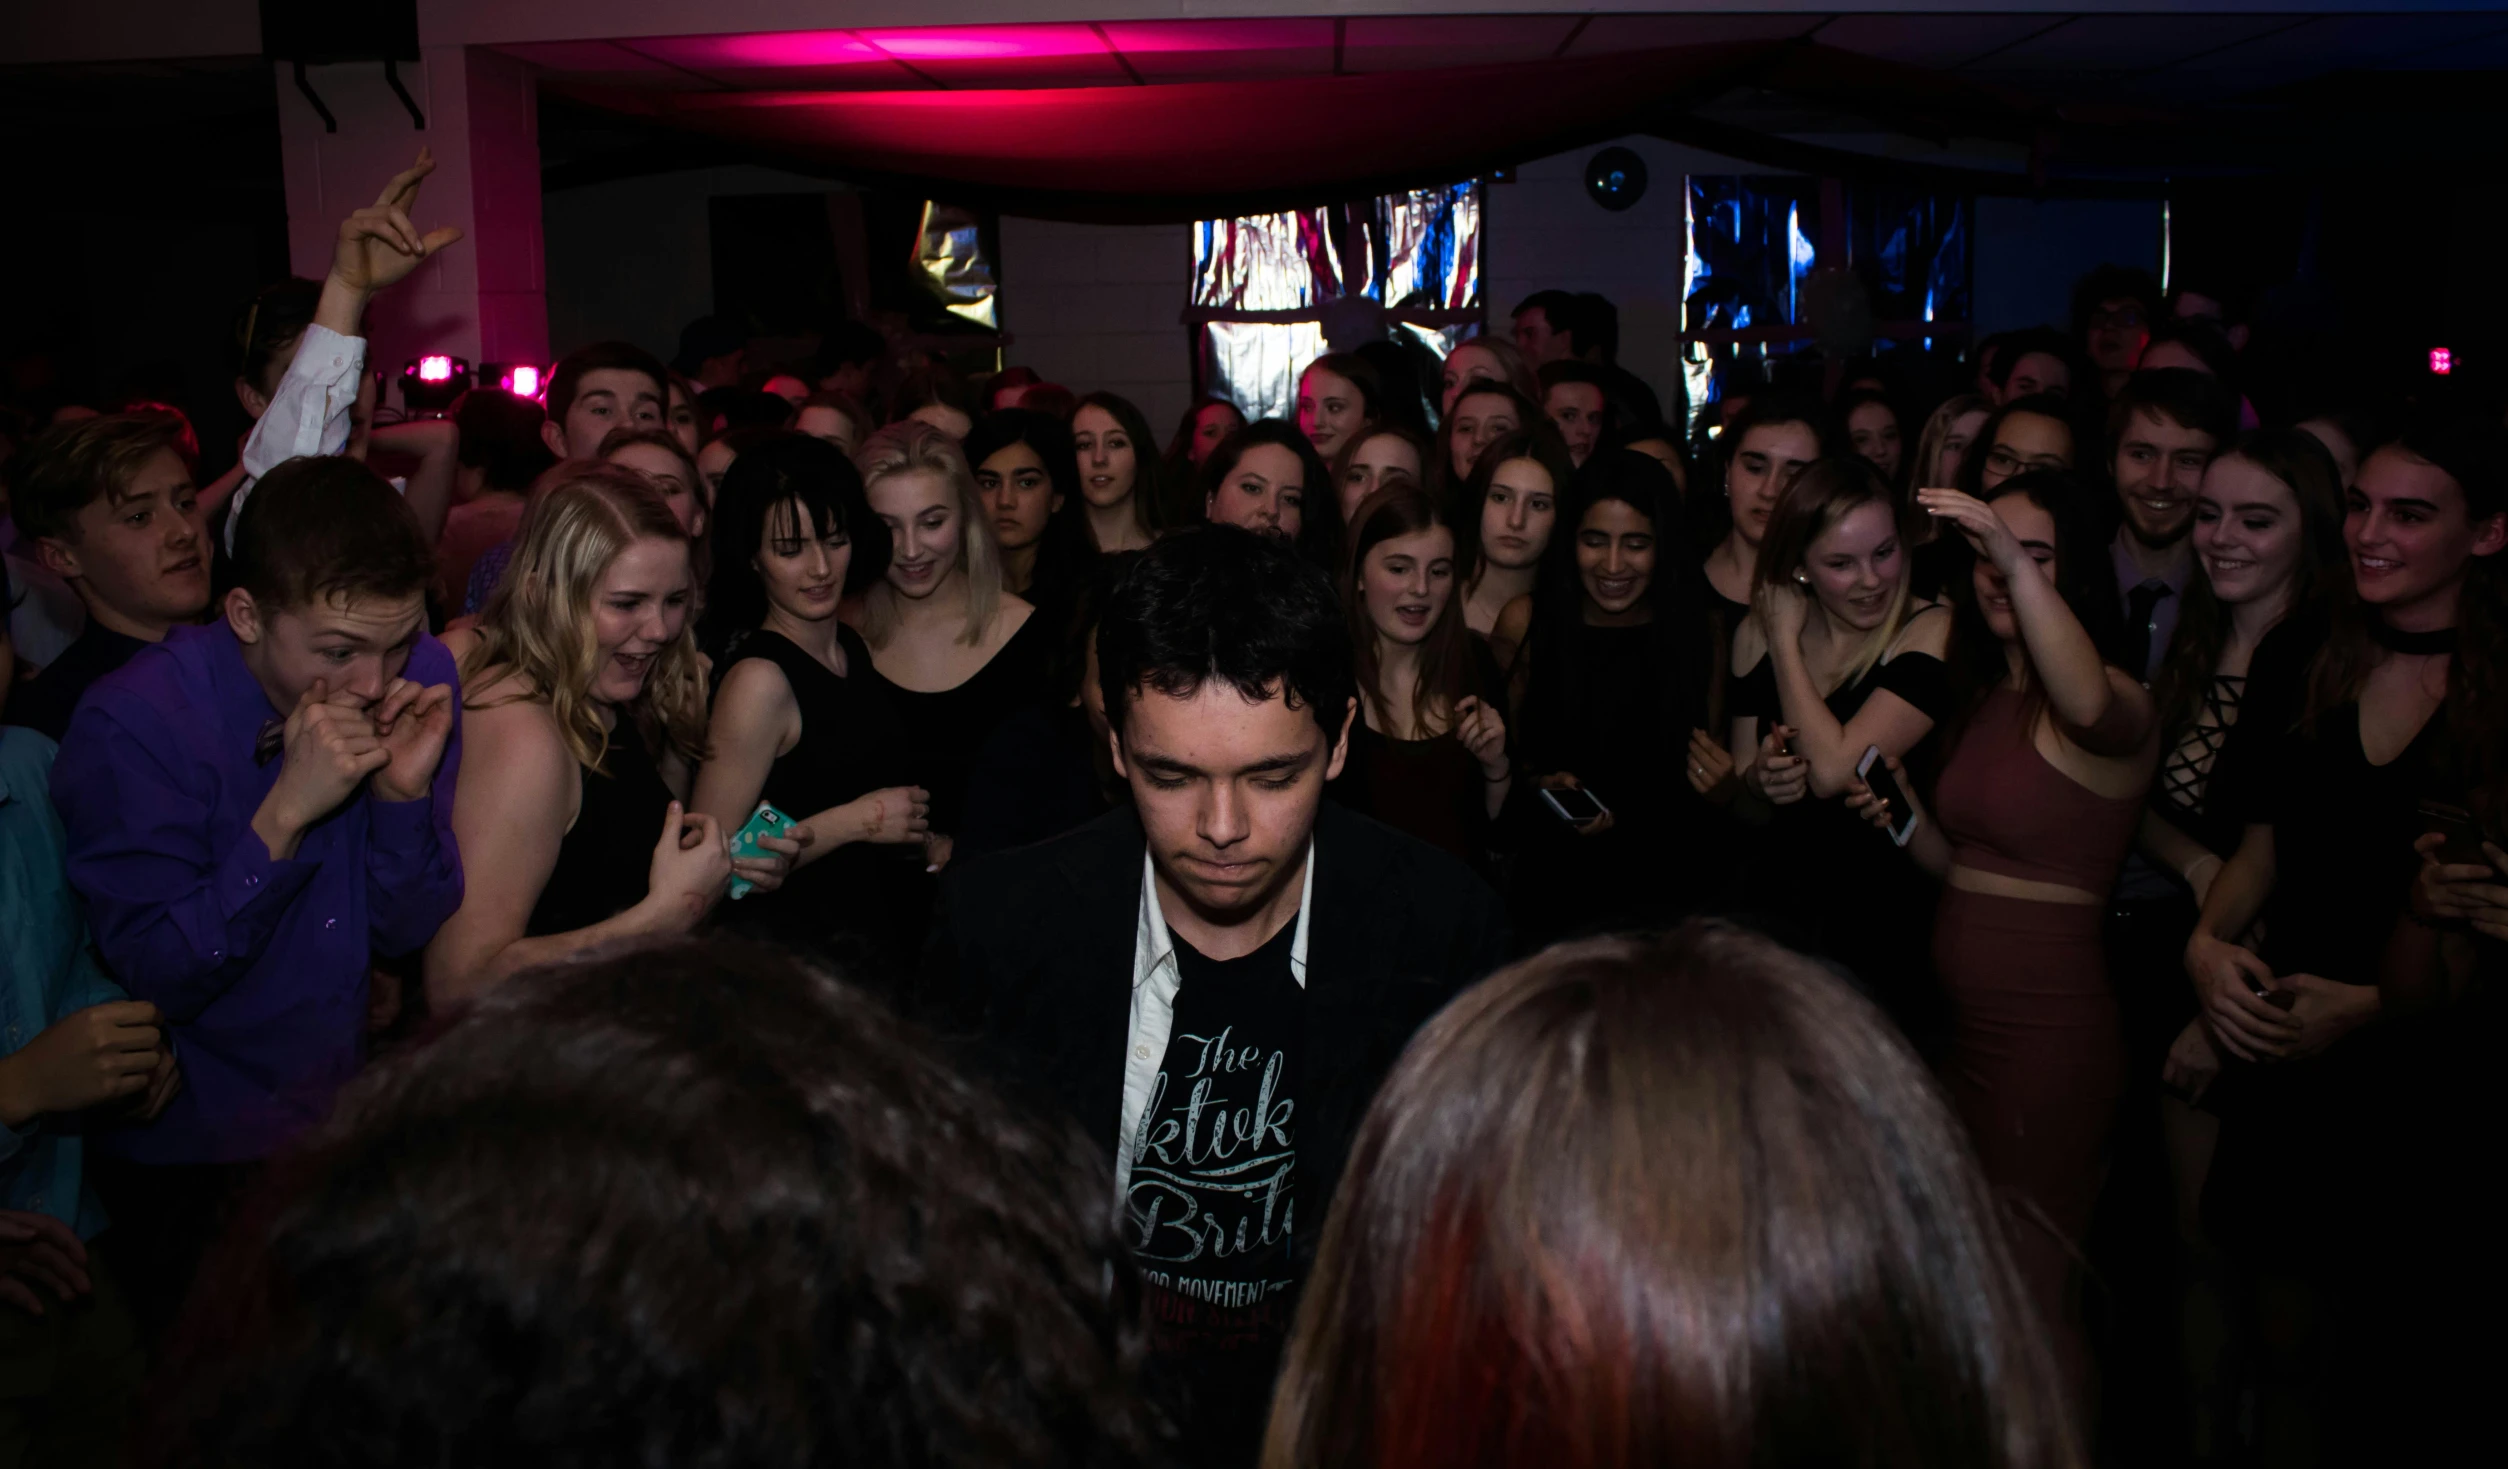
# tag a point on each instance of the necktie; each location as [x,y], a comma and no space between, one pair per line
[2140,603]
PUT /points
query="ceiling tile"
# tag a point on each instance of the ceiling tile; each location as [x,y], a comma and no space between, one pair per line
[2111,43]
[1221,50]
[1938,41]
[1418,43]
[1610,34]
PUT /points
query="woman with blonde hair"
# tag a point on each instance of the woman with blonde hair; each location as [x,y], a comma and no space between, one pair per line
[1943,447]
[1663,1200]
[955,652]
[1837,657]
[583,715]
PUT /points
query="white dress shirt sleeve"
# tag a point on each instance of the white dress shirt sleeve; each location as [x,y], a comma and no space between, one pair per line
[308,415]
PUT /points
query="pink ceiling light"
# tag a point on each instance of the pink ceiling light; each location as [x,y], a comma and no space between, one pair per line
[986,43]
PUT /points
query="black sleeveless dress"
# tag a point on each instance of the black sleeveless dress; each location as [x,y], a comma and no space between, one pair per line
[852,743]
[605,864]
[1823,880]
[946,728]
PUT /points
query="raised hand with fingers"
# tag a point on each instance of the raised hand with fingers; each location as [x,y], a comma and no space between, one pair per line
[1976,520]
[378,245]
[413,722]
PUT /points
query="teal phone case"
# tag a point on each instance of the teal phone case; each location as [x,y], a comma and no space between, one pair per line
[766,821]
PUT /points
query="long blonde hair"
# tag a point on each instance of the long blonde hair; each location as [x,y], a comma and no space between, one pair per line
[911,447]
[538,628]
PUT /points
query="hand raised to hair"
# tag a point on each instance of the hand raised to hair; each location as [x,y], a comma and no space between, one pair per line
[1977,521]
[378,246]
[1782,609]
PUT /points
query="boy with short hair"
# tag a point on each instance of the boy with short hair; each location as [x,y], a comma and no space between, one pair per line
[255,808]
[108,505]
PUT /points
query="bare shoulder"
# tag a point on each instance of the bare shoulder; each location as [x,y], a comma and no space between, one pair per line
[1928,630]
[1514,620]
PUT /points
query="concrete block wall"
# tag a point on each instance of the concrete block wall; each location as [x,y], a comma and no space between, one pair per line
[1099,307]
[1543,233]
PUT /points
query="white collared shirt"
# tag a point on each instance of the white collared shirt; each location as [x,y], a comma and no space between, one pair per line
[308,415]
[1155,980]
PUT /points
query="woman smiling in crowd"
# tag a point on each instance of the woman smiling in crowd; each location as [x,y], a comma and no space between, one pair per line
[955,652]
[583,717]
[1839,657]
[799,722]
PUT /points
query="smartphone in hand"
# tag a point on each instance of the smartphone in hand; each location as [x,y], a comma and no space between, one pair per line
[766,821]
[2464,838]
[1574,805]
[1877,779]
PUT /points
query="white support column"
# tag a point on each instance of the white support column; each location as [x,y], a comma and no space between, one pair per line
[486,298]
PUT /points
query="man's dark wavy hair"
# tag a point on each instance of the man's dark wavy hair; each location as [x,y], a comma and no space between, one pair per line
[1220,602]
[694,1204]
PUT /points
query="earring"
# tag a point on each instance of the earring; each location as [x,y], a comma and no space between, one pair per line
[1801,580]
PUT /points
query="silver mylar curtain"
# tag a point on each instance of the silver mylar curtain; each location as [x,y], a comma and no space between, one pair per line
[1272,292]
[949,254]
[1756,240]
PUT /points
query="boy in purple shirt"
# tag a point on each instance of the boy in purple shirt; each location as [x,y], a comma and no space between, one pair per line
[254,809]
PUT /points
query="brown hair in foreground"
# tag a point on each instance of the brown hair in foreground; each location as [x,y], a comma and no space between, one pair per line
[1671,1200]
[687,1204]
[321,528]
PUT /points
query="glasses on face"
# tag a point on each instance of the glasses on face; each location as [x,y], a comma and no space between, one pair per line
[2006,463]
[2121,319]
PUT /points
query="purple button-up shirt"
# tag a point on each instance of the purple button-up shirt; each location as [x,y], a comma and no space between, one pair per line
[259,964]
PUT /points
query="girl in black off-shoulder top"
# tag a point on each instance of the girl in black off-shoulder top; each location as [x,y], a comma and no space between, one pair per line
[1834,615]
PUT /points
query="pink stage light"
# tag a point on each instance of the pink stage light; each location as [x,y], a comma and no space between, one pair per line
[2442,361]
[525,383]
[778,49]
[435,367]
[987,43]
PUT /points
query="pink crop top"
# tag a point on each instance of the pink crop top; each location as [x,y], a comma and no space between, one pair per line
[2008,812]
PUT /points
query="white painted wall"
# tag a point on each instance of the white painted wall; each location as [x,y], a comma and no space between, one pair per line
[1100,306]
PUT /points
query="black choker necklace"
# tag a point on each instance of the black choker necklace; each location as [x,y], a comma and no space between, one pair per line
[2412,644]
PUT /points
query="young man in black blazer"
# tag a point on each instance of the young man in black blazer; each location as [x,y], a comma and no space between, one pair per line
[1213,982]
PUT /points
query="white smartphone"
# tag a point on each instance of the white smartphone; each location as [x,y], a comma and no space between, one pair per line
[1877,778]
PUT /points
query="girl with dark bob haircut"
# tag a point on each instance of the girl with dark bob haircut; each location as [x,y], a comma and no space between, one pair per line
[693,1204]
[1680,1200]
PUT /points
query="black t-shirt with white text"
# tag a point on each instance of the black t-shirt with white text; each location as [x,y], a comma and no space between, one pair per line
[1210,1204]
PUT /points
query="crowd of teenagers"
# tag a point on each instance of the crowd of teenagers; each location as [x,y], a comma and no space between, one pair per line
[807,912]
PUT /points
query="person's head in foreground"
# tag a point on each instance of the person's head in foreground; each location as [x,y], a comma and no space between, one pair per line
[693,1204]
[1680,1200]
